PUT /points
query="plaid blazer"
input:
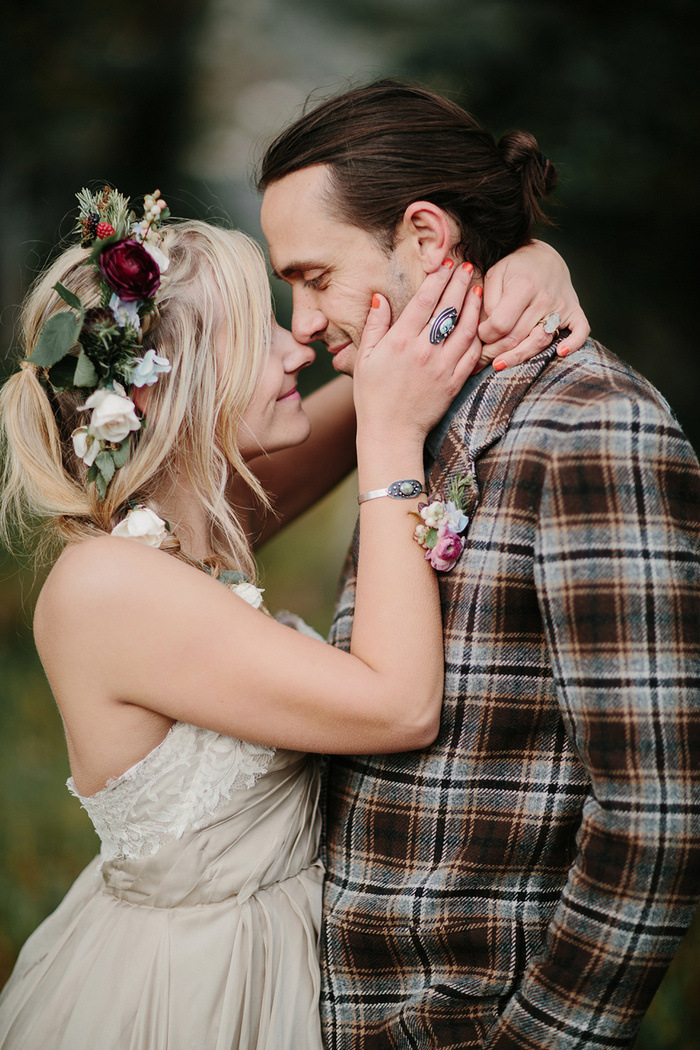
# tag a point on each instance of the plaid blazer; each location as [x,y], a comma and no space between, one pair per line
[525,881]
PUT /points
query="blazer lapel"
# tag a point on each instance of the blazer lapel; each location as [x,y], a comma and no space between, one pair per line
[482,421]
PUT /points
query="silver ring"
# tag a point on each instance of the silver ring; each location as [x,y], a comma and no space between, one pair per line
[443,325]
[550,323]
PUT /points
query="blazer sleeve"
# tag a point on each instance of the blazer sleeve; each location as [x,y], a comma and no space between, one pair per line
[617,571]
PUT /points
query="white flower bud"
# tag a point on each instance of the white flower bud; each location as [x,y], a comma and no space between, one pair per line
[249,593]
[86,446]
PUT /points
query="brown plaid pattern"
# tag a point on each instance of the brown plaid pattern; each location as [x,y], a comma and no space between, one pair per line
[526,880]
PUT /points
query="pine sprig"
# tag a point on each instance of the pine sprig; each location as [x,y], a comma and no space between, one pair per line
[110,205]
[112,350]
[456,489]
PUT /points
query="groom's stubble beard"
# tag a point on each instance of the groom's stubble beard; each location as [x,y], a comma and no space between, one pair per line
[399,293]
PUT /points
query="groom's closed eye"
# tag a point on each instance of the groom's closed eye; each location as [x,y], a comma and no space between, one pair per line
[317,283]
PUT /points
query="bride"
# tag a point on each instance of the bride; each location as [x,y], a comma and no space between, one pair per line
[154,376]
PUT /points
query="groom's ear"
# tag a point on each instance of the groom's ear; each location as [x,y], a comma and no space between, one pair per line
[427,234]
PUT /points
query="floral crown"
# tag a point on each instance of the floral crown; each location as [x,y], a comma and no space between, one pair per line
[128,262]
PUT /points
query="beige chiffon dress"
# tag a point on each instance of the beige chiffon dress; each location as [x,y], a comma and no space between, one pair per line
[197,925]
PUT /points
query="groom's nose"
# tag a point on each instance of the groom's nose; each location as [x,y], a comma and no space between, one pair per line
[308,321]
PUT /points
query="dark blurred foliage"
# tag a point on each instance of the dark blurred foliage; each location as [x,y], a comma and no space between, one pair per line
[93,92]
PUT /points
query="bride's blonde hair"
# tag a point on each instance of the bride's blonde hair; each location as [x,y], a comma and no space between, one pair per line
[215,291]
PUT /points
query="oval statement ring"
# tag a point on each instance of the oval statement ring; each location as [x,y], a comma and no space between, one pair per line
[443,325]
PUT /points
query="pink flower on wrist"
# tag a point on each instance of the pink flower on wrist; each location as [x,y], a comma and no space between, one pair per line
[446,551]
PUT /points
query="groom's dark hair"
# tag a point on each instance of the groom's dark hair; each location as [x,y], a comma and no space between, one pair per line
[389,144]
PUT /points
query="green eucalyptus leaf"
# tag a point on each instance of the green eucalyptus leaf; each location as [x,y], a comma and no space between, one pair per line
[105,465]
[430,539]
[85,374]
[61,374]
[58,336]
[121,453]
[101,486]
[93,472]
[70,298]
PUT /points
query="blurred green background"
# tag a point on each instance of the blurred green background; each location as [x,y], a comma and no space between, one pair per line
[183,95]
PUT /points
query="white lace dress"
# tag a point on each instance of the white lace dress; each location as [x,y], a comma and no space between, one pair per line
[196,927]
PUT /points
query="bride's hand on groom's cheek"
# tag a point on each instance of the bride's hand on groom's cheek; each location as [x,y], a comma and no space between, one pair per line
[406,374]
[520,292]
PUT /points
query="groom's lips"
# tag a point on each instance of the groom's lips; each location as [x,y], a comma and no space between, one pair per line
[341,346]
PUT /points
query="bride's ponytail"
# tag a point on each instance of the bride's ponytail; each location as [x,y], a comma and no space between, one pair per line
[35,483]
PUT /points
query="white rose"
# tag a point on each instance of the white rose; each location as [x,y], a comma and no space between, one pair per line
[146,369]
[113,414]
[249,593]
[142,524]
[86,446]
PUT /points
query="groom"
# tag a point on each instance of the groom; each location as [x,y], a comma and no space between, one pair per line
[525,881]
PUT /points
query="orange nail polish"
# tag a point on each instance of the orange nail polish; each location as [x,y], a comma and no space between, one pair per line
[499,366]
[375,301]
[563,351]
[448,263]
[478,290]
[467,267]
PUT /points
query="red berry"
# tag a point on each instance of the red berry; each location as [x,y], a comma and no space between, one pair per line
[104,229]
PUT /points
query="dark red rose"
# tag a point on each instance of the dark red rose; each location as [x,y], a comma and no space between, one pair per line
[130,270]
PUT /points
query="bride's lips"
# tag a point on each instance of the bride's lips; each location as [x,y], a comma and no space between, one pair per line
[291,395]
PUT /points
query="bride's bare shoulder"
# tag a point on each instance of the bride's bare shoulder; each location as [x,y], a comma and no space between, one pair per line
[95,577]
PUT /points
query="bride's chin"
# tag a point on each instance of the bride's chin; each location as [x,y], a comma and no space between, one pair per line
[296,435]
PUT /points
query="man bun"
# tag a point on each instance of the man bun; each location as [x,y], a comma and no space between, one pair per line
[538,176]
